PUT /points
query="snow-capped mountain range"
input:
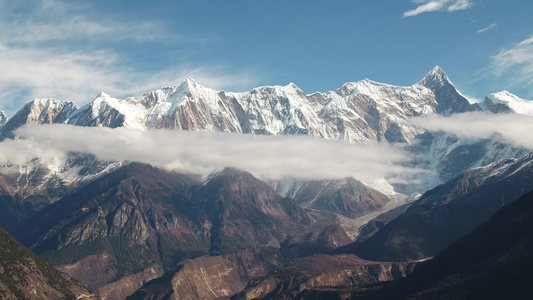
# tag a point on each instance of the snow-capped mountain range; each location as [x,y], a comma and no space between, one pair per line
[357,112]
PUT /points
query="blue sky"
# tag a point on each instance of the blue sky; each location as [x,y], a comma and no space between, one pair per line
[72,50]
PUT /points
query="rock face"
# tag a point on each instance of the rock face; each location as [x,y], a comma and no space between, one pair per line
[24,275]
[449,211]
[212,277]
[315,271]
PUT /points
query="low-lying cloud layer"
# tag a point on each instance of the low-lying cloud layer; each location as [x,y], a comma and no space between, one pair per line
[507,128]
[201,153]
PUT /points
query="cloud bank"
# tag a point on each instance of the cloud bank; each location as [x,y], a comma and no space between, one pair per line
[506,128]
[438,5]
[271,157]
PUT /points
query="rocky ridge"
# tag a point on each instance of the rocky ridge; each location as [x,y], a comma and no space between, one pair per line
[24,275]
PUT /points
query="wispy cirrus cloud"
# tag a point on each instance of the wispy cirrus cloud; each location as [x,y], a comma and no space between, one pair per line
[79,76]
[424,6]
[490,27]
[515,63]
[201,153]
[61,50]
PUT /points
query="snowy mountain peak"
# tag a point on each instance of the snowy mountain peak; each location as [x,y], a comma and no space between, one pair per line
[435,78]
[505,96]
[437,70]
[38,111]
[190,81]
[507,102]
[292,85]
[189,84]
[46,110]
[103,95]
[450,100]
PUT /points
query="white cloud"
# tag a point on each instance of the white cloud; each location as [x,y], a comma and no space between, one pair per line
[490,27]
[506,128]
[79,77]
[460,5]
[438,5]
[203,152]
[61,50]
[516,63]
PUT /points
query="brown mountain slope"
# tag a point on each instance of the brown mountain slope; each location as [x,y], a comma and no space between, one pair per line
[321,270]
[24,275]
[136,223]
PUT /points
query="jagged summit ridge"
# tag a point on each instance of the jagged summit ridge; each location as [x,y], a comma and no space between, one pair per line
[357,112]
[38,111]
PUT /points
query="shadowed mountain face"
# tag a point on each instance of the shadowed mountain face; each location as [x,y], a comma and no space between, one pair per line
[137,222]
[448,212]
[24,275]
[492,262]
[128,222]
[235,200]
